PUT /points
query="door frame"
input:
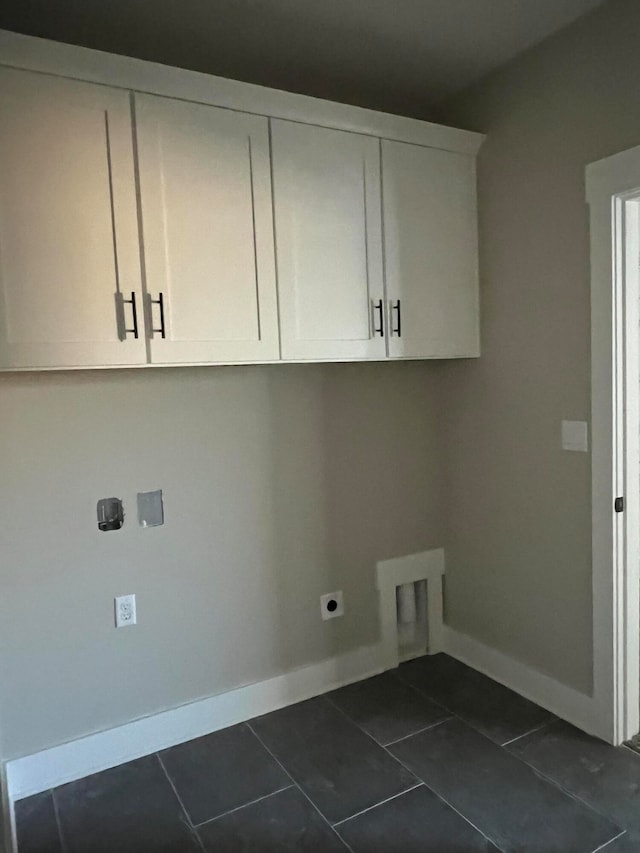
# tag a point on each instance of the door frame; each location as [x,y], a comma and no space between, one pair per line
[8,839]
[613,194]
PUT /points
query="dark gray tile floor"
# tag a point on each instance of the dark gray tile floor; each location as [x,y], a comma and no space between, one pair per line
[431,757]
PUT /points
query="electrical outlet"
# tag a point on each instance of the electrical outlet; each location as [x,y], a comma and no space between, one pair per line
[125,611]
[332,605]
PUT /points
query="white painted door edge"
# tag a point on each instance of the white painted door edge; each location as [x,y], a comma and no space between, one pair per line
[613,193]
[8,840]
[76,759]
[428,566]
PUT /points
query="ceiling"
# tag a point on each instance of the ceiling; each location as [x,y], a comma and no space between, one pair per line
[398,55]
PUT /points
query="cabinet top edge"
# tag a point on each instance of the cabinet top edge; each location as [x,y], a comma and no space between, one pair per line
[31,53]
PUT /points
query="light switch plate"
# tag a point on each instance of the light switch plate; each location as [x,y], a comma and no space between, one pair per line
[575,436]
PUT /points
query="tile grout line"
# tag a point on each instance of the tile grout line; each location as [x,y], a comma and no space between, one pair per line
[271,753]
[336,707]
[243,806]
[179,798]
[530,732]
[295,784]
[454,714]
[419,732]
[423,694]
[397,740]
[548,779]
[610,841]
[418,784]
[387,747]
[566,791]
[371,738]
[537,772]
[56,811]
[381,803]
[451,806]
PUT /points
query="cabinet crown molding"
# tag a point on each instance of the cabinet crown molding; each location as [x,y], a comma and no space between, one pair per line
[94,66]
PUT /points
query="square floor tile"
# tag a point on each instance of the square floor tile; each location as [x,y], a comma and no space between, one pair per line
[486,705]
[501,795]
[129,809]
[387,708]
[221,771]
[606,777]
[417,820]
[340,767]
[282,823]
[36,825]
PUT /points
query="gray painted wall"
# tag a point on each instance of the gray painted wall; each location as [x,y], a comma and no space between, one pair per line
[280,483]
[518,507]
[284,482]
[400,57]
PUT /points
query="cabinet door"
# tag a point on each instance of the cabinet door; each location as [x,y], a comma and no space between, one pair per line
[430,236]
[207,226]
[328,242]
[69,250]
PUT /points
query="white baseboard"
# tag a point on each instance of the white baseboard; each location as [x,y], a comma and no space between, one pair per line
[565,702]
[76,759]
[69,761]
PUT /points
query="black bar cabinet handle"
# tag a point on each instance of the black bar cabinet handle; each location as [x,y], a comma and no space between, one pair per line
[160,303]
[379,329]
[134,311]
[397,329]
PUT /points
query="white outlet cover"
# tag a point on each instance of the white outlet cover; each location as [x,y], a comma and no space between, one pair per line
[575,436]
[125,611]
[332,605]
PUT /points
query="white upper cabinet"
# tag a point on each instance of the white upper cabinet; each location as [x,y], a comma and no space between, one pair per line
[328,242]
[431,254]
[205,192]
[69,250]
[157,216]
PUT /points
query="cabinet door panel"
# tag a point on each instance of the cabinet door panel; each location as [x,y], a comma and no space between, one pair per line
[208,236]
[430,236]
[68,224]
[328,240]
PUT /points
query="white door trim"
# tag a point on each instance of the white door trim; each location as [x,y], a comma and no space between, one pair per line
[8,840]
[613,193]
